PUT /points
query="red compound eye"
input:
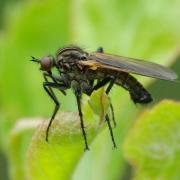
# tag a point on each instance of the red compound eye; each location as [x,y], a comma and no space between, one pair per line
[46,63]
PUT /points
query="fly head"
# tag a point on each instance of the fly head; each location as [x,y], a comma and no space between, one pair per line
[46,63]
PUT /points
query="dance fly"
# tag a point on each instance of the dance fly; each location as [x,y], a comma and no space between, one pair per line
[86,72]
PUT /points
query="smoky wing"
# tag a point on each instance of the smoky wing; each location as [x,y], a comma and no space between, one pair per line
[131,65]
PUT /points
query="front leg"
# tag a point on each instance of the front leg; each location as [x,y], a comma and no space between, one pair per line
[57,105]
[48,88]
[54,79]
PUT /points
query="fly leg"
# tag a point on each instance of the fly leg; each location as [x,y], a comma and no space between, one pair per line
[78,95]
[107,117]
[54,79]
[112,112]
[99,85]
[111,106]
[57,105]
[48,88]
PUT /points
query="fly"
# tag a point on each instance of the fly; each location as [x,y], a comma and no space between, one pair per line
[86,72]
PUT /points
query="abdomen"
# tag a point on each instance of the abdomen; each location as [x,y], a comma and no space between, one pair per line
[137,92]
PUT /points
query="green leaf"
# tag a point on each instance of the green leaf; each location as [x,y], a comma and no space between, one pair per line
[152,145]
[57,158]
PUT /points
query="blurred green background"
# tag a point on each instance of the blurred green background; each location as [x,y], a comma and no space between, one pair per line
[141,29]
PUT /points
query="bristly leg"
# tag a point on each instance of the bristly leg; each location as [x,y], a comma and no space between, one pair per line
[78,98]
[110,130]
[96,87]
[54,79]
[112,110]
[57,105]
[101,84]
[48,88]
[111,106]
[112,113]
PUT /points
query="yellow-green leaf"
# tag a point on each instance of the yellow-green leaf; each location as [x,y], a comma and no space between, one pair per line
[153,143]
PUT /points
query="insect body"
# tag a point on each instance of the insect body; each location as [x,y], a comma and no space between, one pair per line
[86,72]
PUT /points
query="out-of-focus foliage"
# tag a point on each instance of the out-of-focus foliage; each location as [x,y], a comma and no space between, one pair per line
[19,139]
[152,145]
[140,29]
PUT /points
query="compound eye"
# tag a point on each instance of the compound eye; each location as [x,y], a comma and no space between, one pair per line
[46,63]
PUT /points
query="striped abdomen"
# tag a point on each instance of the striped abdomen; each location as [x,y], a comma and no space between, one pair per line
[137,92]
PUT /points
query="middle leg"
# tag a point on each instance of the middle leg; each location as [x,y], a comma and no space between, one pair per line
[78,94]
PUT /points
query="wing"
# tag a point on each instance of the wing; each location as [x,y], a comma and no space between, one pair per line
[129,65]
